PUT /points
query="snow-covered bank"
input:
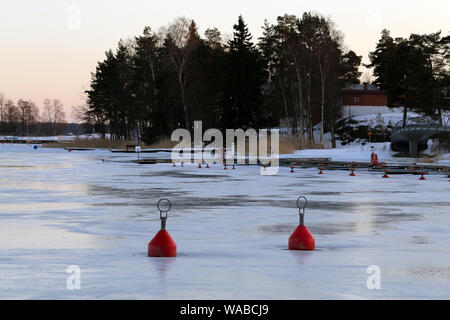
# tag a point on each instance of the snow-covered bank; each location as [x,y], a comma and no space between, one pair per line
[360,149]
[361,153]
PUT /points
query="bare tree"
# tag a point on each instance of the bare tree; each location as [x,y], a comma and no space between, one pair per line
[47,114]
[53,115]
[11,115]
[28,113]
[80,113]
[367,77]
[59,116]
[177,35]
[2,105]
[23,114]
[325,42]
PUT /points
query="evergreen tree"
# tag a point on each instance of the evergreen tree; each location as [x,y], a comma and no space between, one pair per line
[413,71]
[244,77]
[154,84]
[145,85]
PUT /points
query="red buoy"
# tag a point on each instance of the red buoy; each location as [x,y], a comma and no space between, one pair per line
[422,176]
[162,245]
[302,239]
[320,170]
[199,165]
[352,174]
[292,170]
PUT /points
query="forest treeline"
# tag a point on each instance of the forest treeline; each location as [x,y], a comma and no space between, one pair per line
[159,81]
[25,118]
[292,76]
[414,71]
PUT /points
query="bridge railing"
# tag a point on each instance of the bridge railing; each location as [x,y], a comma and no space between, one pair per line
[418,121]
[421,124]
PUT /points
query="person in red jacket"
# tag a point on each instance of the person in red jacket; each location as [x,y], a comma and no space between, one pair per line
[374,158]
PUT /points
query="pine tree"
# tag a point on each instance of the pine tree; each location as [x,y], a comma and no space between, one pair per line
[151,121]
[245,76]
[412,71]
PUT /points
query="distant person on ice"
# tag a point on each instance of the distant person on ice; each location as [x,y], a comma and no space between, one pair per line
[374,158]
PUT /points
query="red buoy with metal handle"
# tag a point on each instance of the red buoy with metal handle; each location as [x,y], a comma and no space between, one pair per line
[422,175]
[302,239]
[162,245]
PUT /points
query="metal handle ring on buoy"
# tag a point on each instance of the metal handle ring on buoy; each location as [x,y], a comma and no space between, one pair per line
[302,203]
[163,211]
[162,244]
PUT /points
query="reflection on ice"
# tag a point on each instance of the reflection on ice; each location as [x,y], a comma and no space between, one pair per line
[39,236]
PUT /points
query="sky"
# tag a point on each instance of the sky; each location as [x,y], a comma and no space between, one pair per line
[48,49]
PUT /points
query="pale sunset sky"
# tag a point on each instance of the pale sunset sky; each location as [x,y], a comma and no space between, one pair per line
[45,51]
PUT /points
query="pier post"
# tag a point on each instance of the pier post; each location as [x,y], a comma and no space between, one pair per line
[413,147]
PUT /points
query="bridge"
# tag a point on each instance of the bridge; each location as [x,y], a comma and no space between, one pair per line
[415,134]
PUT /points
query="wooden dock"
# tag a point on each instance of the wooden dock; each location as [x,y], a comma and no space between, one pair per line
[328,164]
[78,149]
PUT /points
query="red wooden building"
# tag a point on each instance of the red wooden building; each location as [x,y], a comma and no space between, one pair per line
[363,99]
[365,95]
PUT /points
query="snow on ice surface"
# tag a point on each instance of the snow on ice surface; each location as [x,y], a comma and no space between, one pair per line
[231,227]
